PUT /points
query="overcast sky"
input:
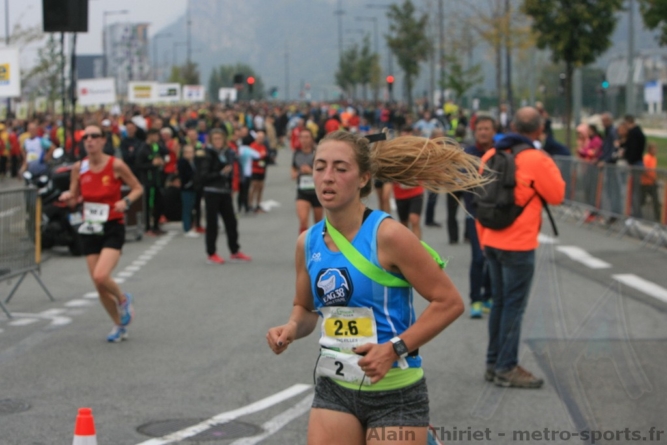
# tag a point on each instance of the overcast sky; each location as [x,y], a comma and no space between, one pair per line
[158,12]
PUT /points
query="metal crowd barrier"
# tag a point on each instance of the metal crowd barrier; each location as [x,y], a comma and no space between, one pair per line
[20,238]
[628,198]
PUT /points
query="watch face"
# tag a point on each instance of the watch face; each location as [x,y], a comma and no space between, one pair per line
[400,348]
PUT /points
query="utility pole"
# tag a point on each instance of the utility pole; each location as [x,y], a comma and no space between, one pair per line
[441,44]
[339,12]
[508,56]
[286,71]
[630,84]
[189,32]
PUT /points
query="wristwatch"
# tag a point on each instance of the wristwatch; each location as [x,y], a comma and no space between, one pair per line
[401,350]
[127,202]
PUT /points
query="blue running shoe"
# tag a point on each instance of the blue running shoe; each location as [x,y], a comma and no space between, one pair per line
[476,310]
[117,334]
[126,311]
[487,305]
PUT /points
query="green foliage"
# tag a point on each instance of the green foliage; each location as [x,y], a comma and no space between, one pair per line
[459,79]
[223,77]
[576,32]
[654,13]
[48,70]
[187,74]
[408,41]
[348,72]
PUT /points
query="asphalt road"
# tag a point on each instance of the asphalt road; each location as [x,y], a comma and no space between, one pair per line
[197,348]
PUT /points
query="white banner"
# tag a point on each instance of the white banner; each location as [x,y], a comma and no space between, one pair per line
[10,73]
[169,92]
[194,93]
[653,92]
[96,91]
[142,92]
[227,94]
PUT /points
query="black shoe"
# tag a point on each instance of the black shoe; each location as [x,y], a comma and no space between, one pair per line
[433,224]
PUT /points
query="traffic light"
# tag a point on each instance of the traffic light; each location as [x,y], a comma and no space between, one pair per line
[251,82]
[390,83]
[238,79]
[605,83]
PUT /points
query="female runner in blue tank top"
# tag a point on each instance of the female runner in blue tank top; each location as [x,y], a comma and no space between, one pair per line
[371,387]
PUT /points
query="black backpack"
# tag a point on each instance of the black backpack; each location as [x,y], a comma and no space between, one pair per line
[494,201]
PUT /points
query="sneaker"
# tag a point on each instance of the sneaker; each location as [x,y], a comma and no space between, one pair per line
[117,334]
[487,305]
[490,373]
[200,230]
[191,234]
[126,310]
[159,232]
[476,310]
[240,256]
[433,224]
[517,378]
[215,259]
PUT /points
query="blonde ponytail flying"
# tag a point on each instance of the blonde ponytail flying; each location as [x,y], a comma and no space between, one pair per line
[439,165]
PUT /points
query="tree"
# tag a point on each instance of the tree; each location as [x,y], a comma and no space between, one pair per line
[654,13]
[223,77]
[408,41]
[368,66]
[187,74]
[46,74]
[589,26]
[459,79]
[348,71]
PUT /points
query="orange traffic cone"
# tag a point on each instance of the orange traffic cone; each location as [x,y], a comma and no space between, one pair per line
[84,429]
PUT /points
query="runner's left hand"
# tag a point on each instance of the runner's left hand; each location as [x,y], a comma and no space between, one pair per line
[377,360]
[120,206]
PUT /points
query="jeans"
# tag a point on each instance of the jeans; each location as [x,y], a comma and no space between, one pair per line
[479,270]
[452,223]
[188,198]
[511,277]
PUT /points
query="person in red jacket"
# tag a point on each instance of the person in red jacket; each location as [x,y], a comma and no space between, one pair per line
[510,252]
[258,172]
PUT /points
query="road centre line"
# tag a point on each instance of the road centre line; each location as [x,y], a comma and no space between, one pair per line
[278,422]
[228,416]
[580,255]
[642,285]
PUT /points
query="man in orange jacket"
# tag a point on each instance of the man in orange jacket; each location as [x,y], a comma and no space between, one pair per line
[510,252]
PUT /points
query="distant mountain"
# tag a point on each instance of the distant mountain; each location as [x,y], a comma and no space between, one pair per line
[257,32]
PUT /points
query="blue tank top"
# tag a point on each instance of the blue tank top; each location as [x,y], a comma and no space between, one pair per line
[336,282]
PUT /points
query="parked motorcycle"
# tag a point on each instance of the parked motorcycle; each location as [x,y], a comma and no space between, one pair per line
[60,223]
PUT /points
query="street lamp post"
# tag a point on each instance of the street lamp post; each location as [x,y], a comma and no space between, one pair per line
[155,53]
[390,67]
[104,35]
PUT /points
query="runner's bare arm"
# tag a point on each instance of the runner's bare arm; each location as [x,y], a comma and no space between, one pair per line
[72,194]
[123,172]
[303,320]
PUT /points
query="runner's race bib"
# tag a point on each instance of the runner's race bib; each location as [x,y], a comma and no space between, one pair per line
[32,157]
[306,182]
[341,366]
[344,328]
[94,217]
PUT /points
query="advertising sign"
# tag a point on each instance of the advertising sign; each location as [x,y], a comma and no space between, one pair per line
[96,91]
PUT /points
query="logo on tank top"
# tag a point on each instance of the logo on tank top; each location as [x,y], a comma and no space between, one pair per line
[334,287]
[106,180]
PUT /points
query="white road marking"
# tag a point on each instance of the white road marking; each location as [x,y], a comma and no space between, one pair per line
[119,280]
[162,242]
[546,239]
[269,204]
[645,286]
[78,303]
[133,268]
[230,415]
[91,295]
[146,257]
[51,312]
[275,424]
[138,263]
[23,322]
[125,274]
[578,254]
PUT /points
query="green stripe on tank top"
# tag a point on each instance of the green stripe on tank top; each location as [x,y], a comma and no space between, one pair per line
[396,378]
